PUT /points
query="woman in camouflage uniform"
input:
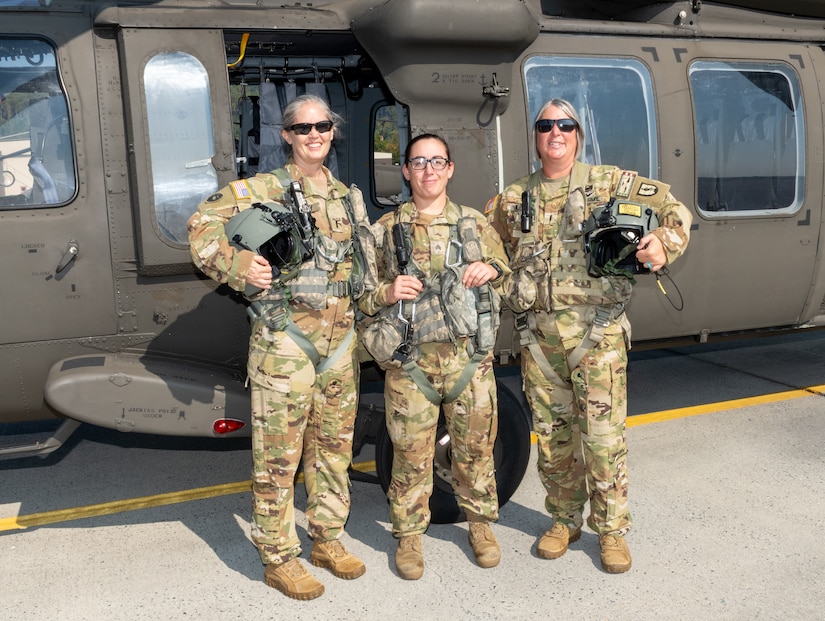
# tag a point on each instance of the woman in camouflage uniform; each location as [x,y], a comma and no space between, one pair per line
[296,409]
[579,407]
[432,221]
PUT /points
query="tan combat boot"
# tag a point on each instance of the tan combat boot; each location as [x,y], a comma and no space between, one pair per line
[615,553]
[409,559]
[485,546]
[293,580]
[333,556]
[554,542]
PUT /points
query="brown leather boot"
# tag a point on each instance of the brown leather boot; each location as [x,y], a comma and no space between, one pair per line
[484,544]
[293,580]
[554,542]
[333,556]
[409,560]
[614,553]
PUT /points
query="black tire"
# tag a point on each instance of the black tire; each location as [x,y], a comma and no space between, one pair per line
[511,453]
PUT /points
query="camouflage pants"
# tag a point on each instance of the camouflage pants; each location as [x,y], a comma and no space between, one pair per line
[472,422]
[582,450]
[309,415]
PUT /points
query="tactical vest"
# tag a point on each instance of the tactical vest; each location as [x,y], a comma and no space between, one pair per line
[445,310]
[312,285]
[557,261]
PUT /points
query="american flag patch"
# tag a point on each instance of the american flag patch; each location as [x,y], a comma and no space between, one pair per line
[240,189]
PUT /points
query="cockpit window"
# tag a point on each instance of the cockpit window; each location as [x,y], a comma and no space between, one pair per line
[179,114]
[36,152]
[749,137]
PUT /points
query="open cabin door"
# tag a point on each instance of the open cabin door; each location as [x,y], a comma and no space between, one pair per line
[179,121]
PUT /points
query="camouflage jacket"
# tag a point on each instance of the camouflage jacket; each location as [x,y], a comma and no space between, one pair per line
[213,254]
[551,257]
[429,248]
[431,239]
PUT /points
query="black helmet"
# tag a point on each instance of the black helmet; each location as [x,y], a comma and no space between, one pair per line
[270,230]
[612,234]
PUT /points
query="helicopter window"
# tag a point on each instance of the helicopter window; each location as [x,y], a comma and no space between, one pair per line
[386,153]
[36,151]
[614,100]
[179,115]
[749,137]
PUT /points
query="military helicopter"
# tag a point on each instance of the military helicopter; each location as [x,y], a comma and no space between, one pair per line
[118,118]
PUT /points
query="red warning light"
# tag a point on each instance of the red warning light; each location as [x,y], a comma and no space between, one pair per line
[227,425]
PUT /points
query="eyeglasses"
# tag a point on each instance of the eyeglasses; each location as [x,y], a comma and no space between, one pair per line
[565,125]
[302,129]
[420,163]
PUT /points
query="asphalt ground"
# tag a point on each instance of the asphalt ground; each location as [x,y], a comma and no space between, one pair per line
[726,470]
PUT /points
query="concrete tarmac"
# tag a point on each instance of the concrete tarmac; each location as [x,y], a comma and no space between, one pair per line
[728,519]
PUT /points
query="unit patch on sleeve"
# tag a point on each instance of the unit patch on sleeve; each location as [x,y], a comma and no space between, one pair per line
[625,184]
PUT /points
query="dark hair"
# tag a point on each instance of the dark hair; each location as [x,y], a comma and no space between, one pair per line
[425,137]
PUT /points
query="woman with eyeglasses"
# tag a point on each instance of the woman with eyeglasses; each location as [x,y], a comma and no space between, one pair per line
[302,366]
[436,266]
[569,311]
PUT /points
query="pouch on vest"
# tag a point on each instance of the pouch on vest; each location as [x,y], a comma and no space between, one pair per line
[382,337]
[429,322]
[471,246]
[530,282]
[459,302]
[488,308]
[310,286]
[364,265]
[573,216]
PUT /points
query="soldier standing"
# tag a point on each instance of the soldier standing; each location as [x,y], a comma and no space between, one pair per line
[302,365]
[437,317]
[574,331]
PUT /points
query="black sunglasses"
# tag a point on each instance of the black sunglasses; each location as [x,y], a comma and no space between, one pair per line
[302,129]
[565,125]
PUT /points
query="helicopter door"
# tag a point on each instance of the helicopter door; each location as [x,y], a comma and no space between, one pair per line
[182,135]
[56,280]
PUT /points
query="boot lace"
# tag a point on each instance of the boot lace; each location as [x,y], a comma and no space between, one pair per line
[294,569]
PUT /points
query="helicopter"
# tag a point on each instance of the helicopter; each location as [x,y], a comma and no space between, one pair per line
[117,118]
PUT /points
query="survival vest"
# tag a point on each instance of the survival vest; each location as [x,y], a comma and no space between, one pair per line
[444,311]
[311,284]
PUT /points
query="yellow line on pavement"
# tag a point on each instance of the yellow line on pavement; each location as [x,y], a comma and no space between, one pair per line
[721,406]
[131,504]
[118,506]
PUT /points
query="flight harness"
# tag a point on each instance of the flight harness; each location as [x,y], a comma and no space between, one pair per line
[275,311]
[603,316]
[463,248]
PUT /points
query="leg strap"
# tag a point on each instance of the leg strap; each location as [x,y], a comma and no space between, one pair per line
[526,327]
[417,375]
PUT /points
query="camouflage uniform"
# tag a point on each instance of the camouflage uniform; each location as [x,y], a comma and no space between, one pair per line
[578,416]
[294,410]
[472,419]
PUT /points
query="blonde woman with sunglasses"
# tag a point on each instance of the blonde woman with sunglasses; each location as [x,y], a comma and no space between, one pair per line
[303,370]
[573,328]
